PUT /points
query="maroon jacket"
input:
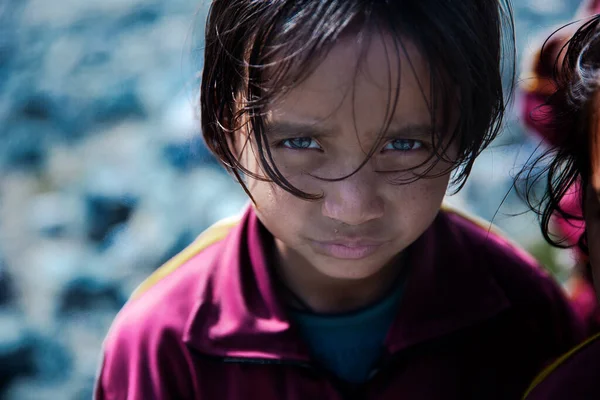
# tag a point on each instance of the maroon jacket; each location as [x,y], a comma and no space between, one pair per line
[575,376]
[478,320]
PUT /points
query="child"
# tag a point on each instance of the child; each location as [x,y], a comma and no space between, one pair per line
[343,121]
[577,158]
[537,84]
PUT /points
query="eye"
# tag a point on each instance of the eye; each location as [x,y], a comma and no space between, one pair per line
[403,145]
[300,143]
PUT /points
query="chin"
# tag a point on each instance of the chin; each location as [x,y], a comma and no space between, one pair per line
[347,271]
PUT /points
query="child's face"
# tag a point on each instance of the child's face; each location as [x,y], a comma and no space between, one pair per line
[324,128]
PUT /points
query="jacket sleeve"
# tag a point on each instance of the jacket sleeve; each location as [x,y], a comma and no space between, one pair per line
[144,362]
[567,329]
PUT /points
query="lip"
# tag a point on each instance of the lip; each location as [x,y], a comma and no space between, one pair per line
[348,249]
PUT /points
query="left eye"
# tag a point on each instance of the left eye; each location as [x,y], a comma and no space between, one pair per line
[300,143]
[403,145]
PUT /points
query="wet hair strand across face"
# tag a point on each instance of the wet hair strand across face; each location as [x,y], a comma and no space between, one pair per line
[258,50]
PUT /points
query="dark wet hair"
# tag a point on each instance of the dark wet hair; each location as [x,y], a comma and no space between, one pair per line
[256,50]
[568,115]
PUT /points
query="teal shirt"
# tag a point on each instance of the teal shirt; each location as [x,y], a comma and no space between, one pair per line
[349,345]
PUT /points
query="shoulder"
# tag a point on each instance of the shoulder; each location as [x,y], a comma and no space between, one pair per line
[146,337]
[203,251]
[530,289]
[166,298]
[488,247]
[573,376]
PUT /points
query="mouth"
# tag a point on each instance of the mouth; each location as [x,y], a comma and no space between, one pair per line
[347,249]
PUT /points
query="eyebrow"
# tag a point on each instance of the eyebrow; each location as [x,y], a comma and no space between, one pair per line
[288,129]
[411,131]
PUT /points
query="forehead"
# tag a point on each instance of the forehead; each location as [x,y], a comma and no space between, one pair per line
[361,78]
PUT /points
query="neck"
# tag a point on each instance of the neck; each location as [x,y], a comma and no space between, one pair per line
[324,294]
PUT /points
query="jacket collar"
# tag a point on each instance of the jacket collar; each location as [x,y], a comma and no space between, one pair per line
[239,314]
[448,289]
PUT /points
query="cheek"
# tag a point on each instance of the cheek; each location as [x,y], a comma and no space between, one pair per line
[294,168]
[420,200]
[294,163]
[425,188]
[277,208]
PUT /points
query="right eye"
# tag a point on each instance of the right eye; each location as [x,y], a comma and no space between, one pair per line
[300,143]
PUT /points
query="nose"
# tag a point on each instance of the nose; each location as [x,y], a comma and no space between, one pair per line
[354,200]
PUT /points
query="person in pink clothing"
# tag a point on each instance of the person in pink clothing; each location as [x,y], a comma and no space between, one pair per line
[576,158]
[536,85]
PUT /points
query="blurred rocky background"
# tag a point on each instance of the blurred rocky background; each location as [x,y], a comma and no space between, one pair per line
[104,176]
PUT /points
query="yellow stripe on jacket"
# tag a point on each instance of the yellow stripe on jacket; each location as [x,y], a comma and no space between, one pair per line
[559,361]
[212,235]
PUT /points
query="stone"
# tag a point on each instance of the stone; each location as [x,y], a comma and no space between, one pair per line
[188,154]
[90,294]
[140,16]
[16,350]
[33,389]
[106,212]
[182,144]
[24,147]
[52,359]
[57,214]
[7,289]
[118,104]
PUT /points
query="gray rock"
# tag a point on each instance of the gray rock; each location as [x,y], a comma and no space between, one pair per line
[87,294]
[57,214]
[122,102]
[32,389]
[105,213]
[52,359]
[7,289]
[25,353]
[188,154]
[24,147]
[16,350]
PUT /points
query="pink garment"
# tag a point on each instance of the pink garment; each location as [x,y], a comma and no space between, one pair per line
[537,84]
[478,319]
[571,229]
